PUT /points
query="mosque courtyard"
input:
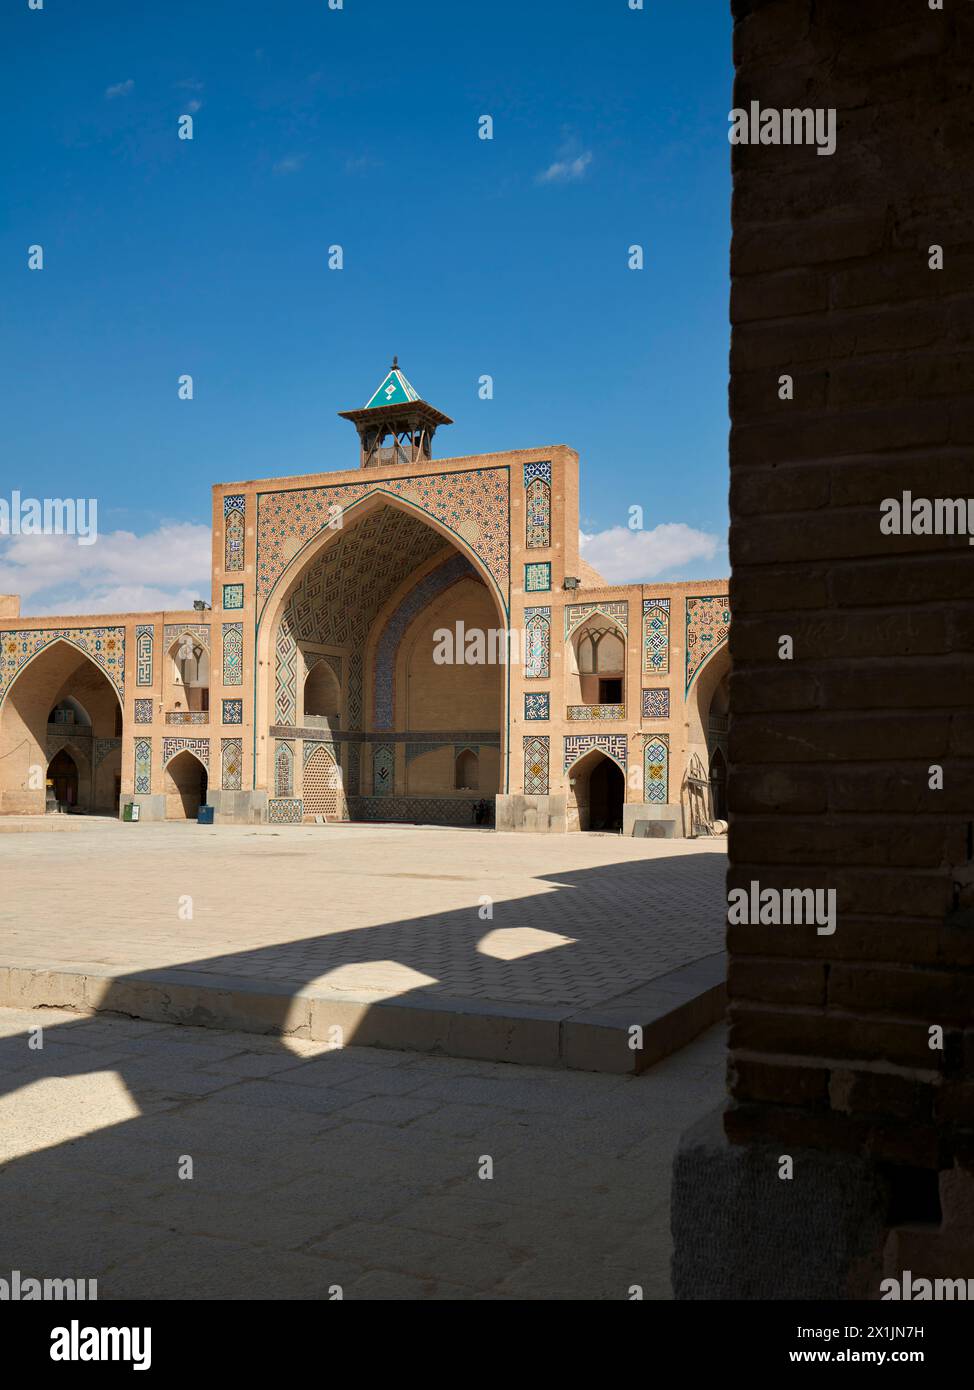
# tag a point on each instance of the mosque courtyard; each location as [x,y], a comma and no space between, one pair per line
[169,1160]
[512,946]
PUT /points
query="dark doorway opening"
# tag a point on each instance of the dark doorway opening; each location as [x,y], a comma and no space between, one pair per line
[718,785]
[607,793]
[63,775]
[186,791]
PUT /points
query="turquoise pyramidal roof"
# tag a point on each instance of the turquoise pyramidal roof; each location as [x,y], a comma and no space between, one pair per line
[395,389]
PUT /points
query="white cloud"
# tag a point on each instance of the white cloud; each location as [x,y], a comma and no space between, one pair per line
[121,89]
[622,556]
[119,573]
[290,164]
[566,170]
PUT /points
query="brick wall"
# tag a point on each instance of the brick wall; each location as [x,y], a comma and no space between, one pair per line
[830,752]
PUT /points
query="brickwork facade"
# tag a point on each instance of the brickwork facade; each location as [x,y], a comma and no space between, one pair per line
[837,755]
[319,666]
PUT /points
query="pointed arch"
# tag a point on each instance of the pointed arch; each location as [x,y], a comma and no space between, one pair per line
[283,771]
[274,606]
[355,511]
[323,790]
[8,680]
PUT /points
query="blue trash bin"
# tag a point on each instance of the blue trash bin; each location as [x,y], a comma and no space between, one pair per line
[204,815]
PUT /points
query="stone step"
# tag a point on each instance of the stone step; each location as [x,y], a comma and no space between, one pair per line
[667,1012]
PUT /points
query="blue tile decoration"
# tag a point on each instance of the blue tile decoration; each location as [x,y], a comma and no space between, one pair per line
[656,704]
[537,577]
[536,704]
[536,765]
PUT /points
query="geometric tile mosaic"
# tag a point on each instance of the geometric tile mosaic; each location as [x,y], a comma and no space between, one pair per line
[536,765]
[233,653]
[708,622]
[283,770]
[354,763]
[537,643]
[614,746]
[143,711]
[421,810]
[232,712]
[233,532]
[105,646]
[586,712]
[656,759]
[537,470]
[473,504]
[340,593]
[284,811]
[199,747]
[576,613]
[656,636]
[537,577]
[537,505]
[172,632]
[537,501]
[233,596]
[143,766]
[536,704]
[656,703]
[231,764]
[143,654]
[383,770]
[285,687]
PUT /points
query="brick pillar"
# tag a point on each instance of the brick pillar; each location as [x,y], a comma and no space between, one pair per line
[833,780]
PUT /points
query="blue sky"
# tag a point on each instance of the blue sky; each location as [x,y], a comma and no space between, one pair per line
[466,257]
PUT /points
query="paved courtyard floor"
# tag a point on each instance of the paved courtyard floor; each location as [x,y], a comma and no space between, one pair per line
[380,912]
[315,1170]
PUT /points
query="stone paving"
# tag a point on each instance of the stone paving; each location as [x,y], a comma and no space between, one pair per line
[314,1170]
[378,911]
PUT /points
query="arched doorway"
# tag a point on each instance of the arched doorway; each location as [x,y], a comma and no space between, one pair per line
[60,696]
[372,598]
[186,783]
[63,781]
[596,793]
[606,796]
[707,722]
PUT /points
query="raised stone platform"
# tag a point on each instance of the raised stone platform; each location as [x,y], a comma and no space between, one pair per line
[534,949]
[623,1036]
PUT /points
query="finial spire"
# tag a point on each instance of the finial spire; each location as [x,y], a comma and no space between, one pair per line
[395,361]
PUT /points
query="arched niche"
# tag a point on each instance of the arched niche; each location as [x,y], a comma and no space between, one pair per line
[596,667]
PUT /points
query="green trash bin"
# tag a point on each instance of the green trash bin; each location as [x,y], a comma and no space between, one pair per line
[130,811]
[204,815]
